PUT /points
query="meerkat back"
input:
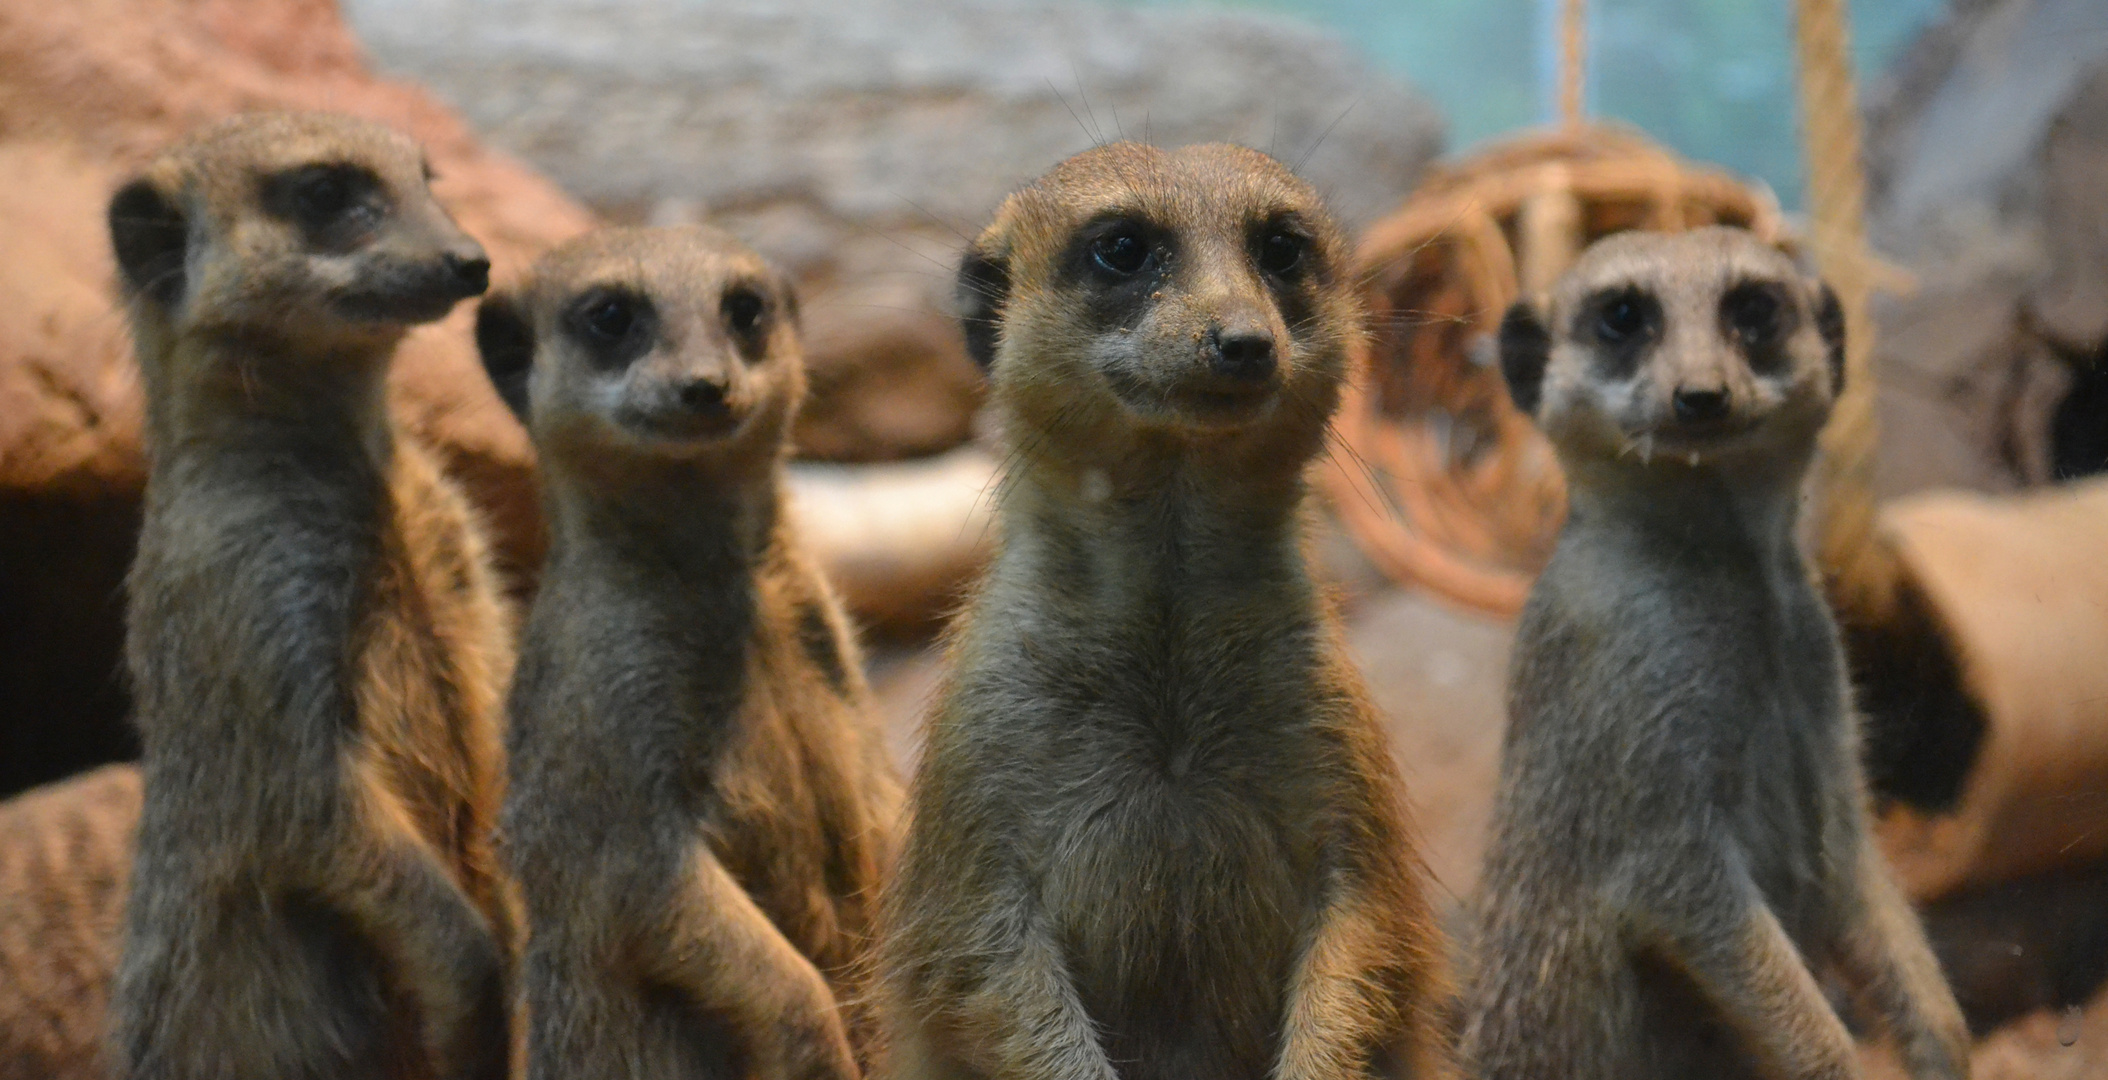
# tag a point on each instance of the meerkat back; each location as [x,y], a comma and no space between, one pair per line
[65,857]
[1157,832]
[316,644]
[1680,839]
[700,807]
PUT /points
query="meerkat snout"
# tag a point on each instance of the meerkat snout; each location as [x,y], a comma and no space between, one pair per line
[668,341]
[305,222]
[1188,289]
[1694,345]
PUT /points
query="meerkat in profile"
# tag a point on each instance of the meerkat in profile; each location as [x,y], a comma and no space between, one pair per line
[317,646]
[65,856]
[1157,833]
[700,803]
[1680,841]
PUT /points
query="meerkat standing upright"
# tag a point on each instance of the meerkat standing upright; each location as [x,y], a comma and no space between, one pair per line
[1680,839]
[700,806]
[316,644]
[1157,832]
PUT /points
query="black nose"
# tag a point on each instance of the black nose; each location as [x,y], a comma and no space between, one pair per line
[471,269]
[703,395]
[1244,354]
[1699,405]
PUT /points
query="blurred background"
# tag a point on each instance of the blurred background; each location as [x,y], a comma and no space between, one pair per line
[859,143]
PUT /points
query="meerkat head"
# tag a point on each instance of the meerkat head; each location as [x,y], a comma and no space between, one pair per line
[291,224]
[669,342]
[1195,290]
[1708,345]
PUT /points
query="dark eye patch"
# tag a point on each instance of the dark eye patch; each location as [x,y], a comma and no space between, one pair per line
[745,310]
[1281,248]
[1623,323]
[1759,317]
[1118,261]
[614,325]
[336,206]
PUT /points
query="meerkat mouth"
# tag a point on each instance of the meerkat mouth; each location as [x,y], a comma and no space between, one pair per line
[1689,440]
[674,427]
[1204,401]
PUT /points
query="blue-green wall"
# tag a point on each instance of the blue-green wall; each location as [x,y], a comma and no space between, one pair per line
[1712,78]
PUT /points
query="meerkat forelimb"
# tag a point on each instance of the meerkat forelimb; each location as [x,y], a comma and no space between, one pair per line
[700,805]
[1680,843]
[1157,831]
[316,644]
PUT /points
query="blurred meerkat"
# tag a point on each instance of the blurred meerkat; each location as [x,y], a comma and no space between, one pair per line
[1157,832]
[317,645]
[700,804]
[1680,841]
[65,857]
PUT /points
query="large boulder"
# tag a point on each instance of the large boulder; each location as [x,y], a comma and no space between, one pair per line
[860,142]
[89,90]
[1988,169]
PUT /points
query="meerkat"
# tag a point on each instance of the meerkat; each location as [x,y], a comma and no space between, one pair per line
[1157,831]
[317,645]
[700,804]
[1680,840]
[65,858]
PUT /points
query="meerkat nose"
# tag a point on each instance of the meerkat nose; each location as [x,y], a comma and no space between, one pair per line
[703,395]
[1242,354]
[1694,405]
[471,267]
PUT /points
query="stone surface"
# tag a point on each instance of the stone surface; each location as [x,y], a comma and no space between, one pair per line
[90,89]
[1988,168]
[859,142]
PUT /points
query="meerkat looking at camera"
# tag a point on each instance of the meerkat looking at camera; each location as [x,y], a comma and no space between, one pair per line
[1680,840]
[1157,832]
[700,805]
[316,644]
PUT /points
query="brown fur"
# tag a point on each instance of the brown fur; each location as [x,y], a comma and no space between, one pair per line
[317,644]
[1157,832]
[701,807]
[1680,846]
[65,857]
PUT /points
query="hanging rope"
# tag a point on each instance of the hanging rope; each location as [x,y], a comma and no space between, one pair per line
[1859,568]
[1573,60]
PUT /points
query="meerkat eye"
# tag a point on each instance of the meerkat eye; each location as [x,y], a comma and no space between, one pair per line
[332,203]
[1123,253]
[1281,252]
[1753,313]
[743,309]
[322,198]
[607,319]
[1624,317]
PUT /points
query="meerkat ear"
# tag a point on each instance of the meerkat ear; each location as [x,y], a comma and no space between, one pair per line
[506,340]
[1525,349]
[148,234]
[983,289]
[1830,322]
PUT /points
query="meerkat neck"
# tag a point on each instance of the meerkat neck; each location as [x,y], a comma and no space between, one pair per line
[238,391]
[1153,531]
[1752,505]
[660,521]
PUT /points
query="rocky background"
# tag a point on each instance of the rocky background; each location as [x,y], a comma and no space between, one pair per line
[859,144]
[1988,159]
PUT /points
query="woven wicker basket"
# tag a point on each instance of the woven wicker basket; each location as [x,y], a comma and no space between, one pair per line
[1439,479]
